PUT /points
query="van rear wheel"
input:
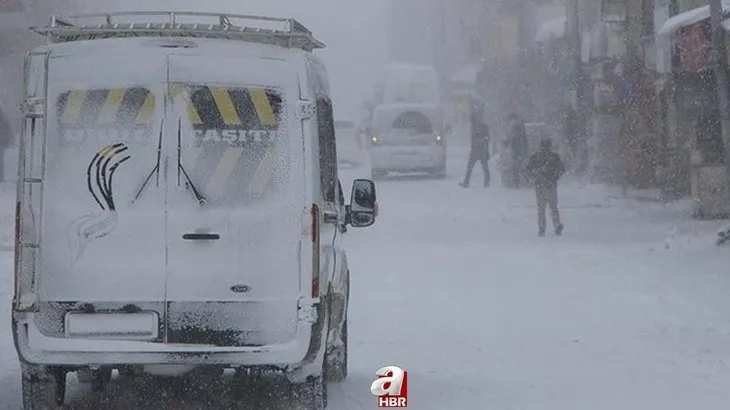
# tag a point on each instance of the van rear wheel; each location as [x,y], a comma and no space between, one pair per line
[43,388]
[130,372]
[100,378]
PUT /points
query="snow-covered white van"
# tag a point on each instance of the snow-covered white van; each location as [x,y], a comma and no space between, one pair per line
[179,204]
[407,138]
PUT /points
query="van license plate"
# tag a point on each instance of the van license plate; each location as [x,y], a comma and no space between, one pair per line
[134,326]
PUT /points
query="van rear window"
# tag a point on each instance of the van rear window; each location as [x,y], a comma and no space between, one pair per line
[233,140]
[106,115]
[238,148]
[211,109]
[413,120]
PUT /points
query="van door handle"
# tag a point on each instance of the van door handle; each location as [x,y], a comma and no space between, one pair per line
[201,236]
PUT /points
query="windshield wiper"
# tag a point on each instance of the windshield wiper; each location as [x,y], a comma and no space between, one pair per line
[180,168]
[157,166]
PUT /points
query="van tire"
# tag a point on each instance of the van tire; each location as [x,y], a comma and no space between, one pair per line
[130,372]
[247,387]
[100,379]
[43,388]
[336,359]
[83,375]
[311,394]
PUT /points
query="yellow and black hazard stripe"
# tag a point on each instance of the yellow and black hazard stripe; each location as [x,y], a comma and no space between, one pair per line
[107,107]
[230,107]
[207,107]
[233,173]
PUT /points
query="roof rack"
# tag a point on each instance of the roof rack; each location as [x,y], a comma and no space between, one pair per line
[283,32]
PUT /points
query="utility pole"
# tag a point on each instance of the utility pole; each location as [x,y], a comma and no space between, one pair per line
[523,28]
[579,81]
[719,55]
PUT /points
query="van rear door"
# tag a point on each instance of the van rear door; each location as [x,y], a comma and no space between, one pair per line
[236,203]
[103,247]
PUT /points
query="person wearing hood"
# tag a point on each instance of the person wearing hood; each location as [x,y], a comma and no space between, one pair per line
[545,168]
[479,148]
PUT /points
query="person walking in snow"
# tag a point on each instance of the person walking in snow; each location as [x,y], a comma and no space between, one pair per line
[479,148]
[517,140]
[545,168]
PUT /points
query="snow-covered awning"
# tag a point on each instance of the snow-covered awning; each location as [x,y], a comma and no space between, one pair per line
[687,19]
[664,36]
[551,30]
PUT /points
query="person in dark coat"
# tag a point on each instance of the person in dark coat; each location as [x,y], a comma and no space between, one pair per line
[546,168]
[479,149]
[518,145]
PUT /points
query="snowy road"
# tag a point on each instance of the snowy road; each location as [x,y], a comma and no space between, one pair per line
[630,309]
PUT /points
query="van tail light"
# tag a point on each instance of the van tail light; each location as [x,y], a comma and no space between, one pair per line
[315,250]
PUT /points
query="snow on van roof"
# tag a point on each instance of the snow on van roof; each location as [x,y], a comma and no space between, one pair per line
[287,32]
[134,46]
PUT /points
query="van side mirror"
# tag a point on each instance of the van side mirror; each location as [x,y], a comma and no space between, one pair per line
[363,203]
